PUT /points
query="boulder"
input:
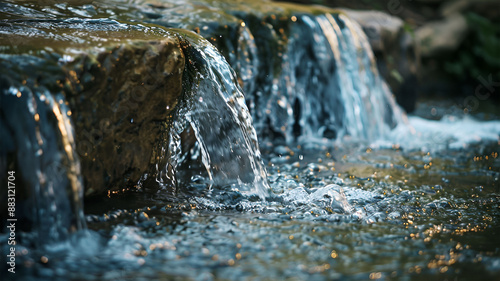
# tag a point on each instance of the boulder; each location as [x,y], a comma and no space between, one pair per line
[82,101]
[383,30]
[123,109]
[486,8]
[438,37]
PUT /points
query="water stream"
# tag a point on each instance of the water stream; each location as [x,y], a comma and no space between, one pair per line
[215,113]
[38,120]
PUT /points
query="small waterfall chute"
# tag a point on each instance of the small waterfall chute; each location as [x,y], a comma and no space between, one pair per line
[214,112]
[328,84]
[41,139]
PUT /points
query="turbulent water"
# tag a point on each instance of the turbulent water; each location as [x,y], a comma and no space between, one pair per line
[349,211]
[341,186]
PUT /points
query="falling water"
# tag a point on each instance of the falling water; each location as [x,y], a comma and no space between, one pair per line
[42,140]
[215,113]
[307,75]
[335,210]
[329,86]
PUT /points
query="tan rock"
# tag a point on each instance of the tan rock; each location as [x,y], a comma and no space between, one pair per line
[487,8]
[441,36]
[381,28]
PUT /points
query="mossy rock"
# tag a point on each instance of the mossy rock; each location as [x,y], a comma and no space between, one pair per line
[115,84]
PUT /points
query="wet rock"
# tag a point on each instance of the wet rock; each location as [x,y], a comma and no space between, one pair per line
[142,216]
[120,96]
[123,112]
[82,100]
[37,146]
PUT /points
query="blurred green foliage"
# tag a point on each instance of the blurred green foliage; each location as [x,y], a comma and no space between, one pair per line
[480,53]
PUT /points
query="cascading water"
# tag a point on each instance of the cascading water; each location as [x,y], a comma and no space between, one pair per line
[329,85]
[333,210]
[43,142]
[306,74]
[214,111]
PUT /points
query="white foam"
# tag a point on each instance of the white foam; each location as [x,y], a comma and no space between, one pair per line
[451,132]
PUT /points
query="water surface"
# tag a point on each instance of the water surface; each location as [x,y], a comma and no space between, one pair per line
[345,211]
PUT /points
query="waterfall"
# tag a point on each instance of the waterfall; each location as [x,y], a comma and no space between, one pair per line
[306,75]
[214,112]
[43,142]
[328,85]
